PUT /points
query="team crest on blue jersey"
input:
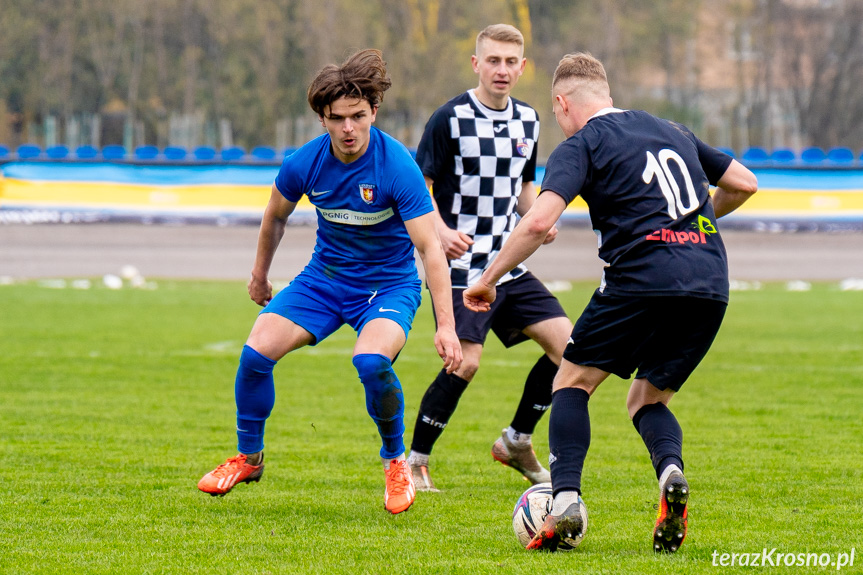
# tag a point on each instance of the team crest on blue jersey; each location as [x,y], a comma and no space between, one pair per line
[522,146]
[367,191]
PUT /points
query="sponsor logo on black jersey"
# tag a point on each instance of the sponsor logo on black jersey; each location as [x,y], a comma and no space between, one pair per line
[704,226]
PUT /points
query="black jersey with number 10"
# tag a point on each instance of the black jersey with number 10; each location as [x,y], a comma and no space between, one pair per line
[646,182]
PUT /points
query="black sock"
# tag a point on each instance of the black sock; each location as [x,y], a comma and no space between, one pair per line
[438,404]
[661,434]
[536,398]
[568,438]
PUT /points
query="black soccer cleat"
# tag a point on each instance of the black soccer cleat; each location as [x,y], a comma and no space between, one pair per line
[670,529]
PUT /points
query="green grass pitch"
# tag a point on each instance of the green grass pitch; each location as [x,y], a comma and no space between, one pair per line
[114,403]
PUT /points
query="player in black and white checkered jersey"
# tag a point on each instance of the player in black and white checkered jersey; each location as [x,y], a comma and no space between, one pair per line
[493,153]
[478,154]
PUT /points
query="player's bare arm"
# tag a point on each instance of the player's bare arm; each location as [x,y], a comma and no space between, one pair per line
[736,185]
[526,238]
[272,229]
[454,243]
[424,237]
[526,199]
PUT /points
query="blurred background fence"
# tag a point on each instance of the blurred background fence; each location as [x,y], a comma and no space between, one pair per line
[158,94]
[225,73]
[814,189]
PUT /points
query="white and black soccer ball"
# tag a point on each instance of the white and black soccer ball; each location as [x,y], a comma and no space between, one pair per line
[530,511]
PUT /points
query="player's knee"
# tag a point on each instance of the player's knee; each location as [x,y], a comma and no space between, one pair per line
[372,366]
[384,397]
[255,362]
[642,393]
[468,368]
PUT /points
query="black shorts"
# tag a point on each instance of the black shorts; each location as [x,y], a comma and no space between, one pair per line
[520,303]
[663,337]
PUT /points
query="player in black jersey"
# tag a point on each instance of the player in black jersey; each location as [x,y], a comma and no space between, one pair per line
[478,154]
[664,289]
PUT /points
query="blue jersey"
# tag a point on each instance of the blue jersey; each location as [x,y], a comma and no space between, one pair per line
[646,182]
[361,207]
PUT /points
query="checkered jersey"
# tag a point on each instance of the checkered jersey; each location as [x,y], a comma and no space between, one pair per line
[478,158]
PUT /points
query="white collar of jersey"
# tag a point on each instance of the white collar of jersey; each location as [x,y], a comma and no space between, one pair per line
[605,111]
[492,114]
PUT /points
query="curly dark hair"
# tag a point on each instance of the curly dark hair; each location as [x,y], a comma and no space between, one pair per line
[362,76]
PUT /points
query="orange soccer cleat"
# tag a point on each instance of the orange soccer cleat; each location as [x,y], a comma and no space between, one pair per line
[561,532]
[400,491]
[235,470]
[670,528]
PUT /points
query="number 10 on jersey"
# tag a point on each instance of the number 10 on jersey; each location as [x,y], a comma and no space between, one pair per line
[659,168]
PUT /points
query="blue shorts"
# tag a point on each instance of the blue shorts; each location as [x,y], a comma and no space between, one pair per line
[664,338]
[321,306]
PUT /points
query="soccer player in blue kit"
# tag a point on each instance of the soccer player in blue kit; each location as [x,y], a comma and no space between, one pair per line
[373,209]
[664,288]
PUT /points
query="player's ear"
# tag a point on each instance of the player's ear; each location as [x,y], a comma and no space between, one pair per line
[374,112]
[564,105]
[474,61]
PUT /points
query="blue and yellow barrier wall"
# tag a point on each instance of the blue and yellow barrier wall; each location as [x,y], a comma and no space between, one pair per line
[44,190]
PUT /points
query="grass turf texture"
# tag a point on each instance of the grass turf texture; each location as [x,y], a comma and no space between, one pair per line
[114,403]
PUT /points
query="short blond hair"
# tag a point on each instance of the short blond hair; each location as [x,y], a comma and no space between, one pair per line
[584,69]
[500,33]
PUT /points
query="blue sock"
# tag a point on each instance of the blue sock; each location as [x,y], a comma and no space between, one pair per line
[255,394]
[384,400]
[568,438]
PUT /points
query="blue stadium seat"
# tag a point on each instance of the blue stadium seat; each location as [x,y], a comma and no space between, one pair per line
[813,155]
[233,153]
[175,153]
[840,156]
[204,153]
[114,152]
[4,152]
[86,152]
[146,152]
[28,151]
[263,153]
[57,152]
[755,155]
[728,151]
[783,156]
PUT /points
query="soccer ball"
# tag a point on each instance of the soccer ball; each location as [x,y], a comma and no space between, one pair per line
[530,511]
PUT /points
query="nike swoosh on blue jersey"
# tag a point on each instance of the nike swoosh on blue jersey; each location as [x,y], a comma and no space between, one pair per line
[314,193]
[384,309]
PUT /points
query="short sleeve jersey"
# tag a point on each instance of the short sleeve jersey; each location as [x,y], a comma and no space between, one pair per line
[646,182]
[478,158]
[361,209]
